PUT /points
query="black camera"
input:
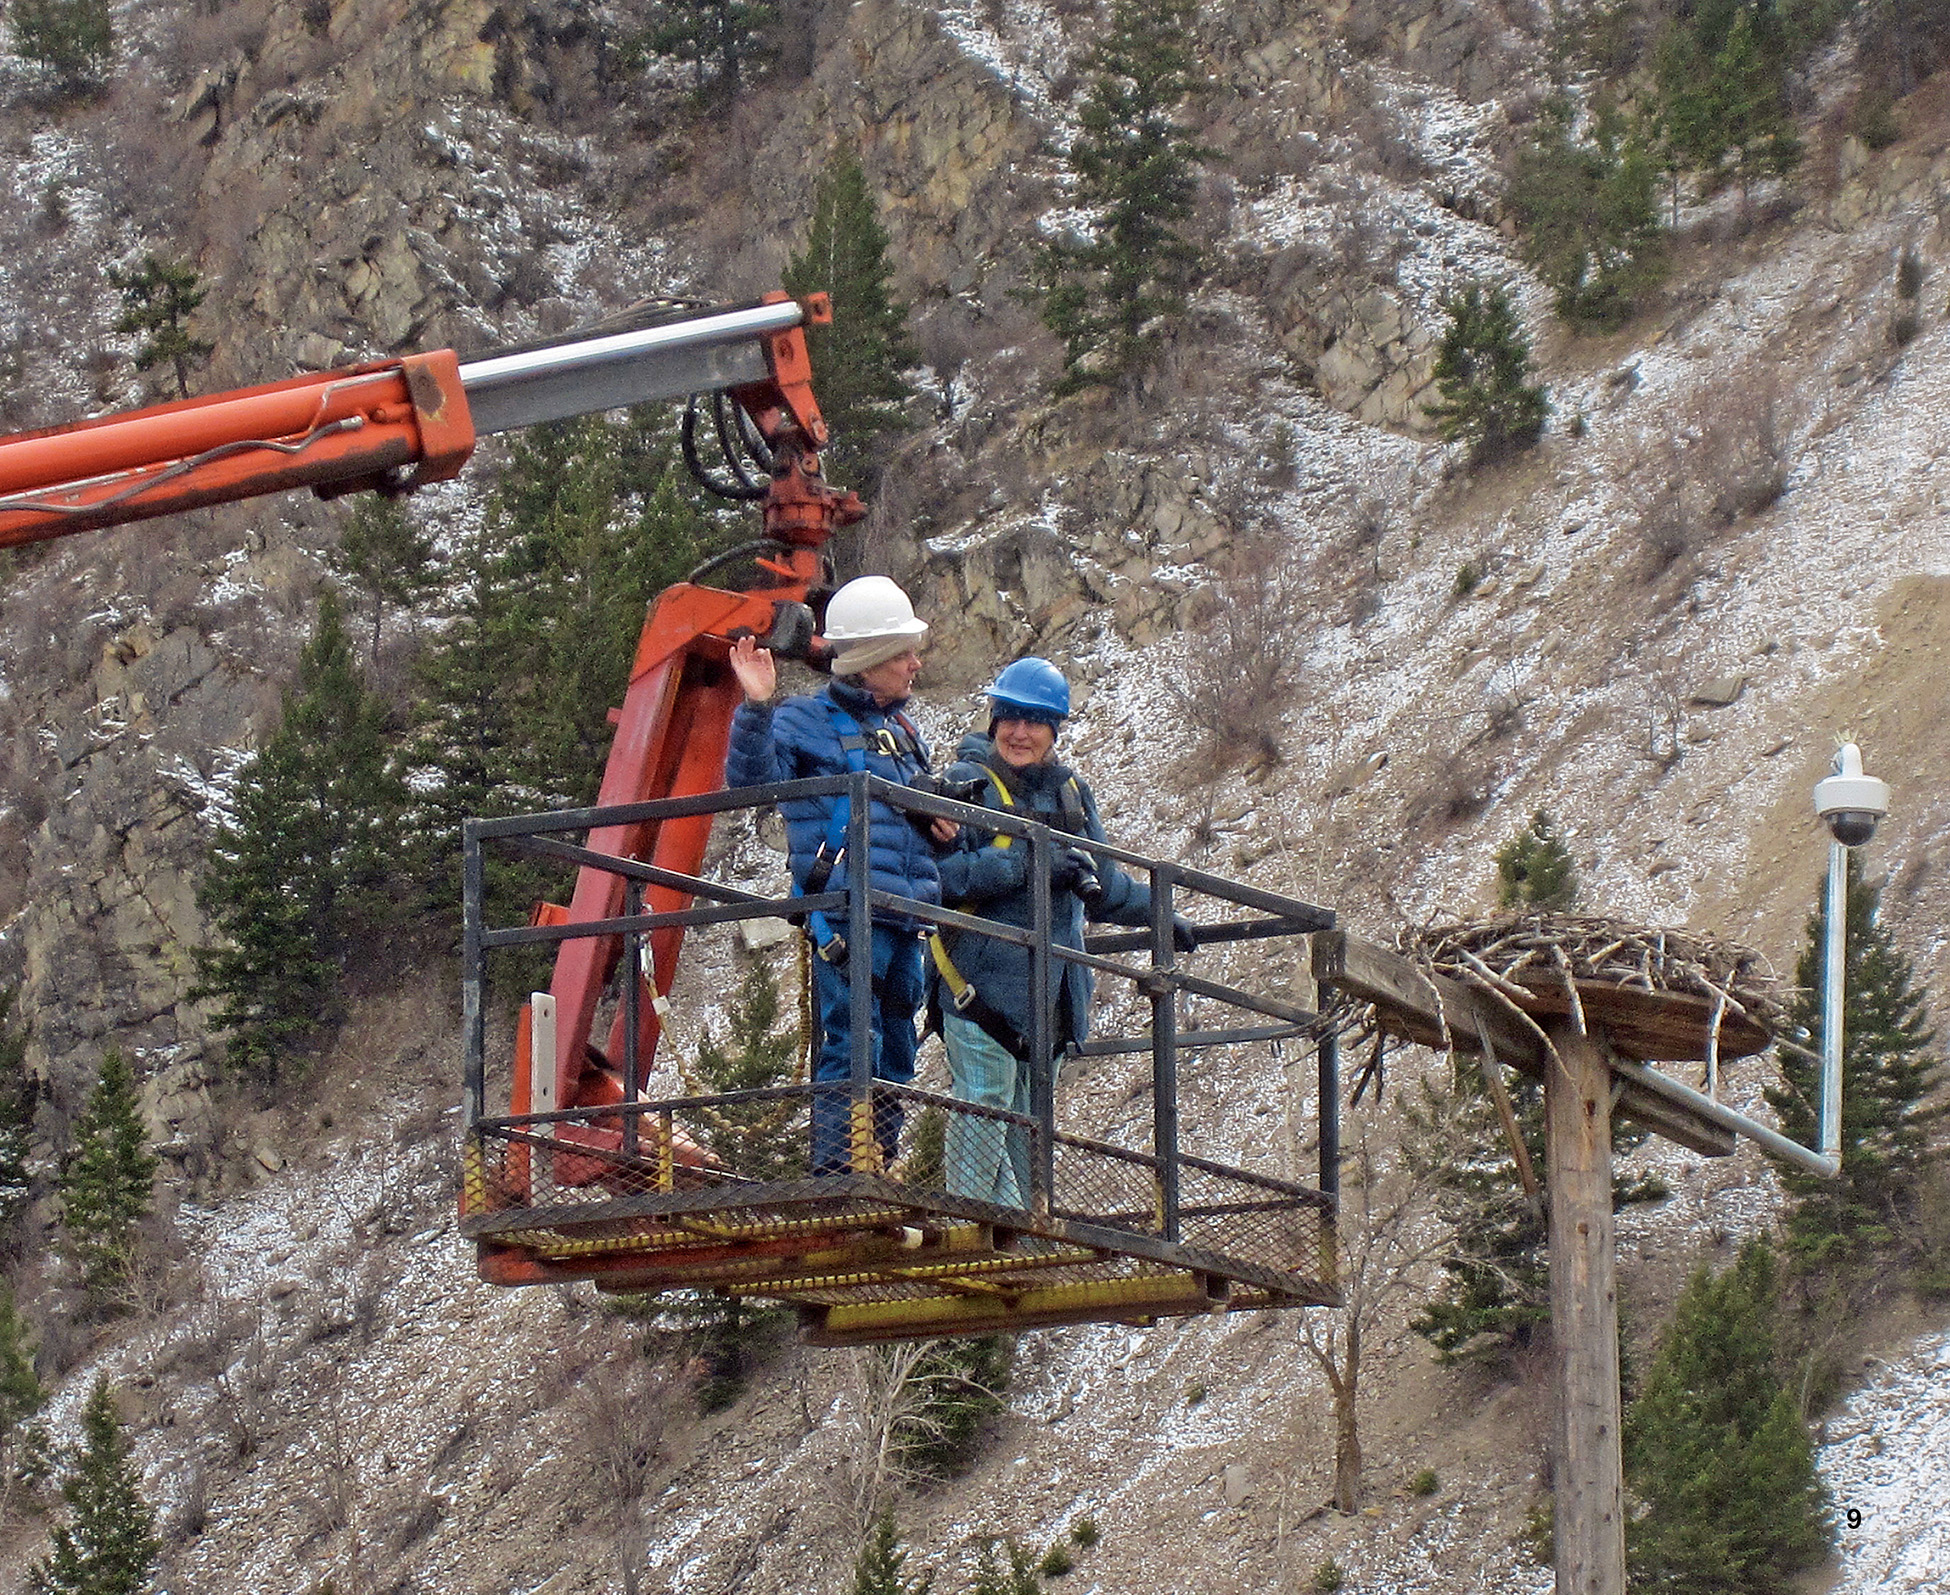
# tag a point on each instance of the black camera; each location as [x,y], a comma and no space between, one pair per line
[1074,870]
[927,782]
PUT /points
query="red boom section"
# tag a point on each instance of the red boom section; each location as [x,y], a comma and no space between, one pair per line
[335,429]
[672,733]
[671,737]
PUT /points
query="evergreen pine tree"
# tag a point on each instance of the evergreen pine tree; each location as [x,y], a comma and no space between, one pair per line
[1721,69]
[1535,870]
[861,356]
[21,1397]
[1589,212]
[19,1095]
[72,39]
[730,1335]
[1716,1450]
[589,522]
[1889,1070]
[1480,370]
[158,297]
[21,1392]
[723,41]
[1496,1275]
[1495,1293]
[878,1570]
[386,556]
[305,860]
[464,739]
[752,1137]
[960,1384]
[583,554]
[1108,293]
[108,1181]
[108,1546]
[1011,1572]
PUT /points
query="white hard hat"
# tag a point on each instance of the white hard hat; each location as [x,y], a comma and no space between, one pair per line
[870,608]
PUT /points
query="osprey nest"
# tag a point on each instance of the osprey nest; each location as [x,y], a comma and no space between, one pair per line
[1657,994]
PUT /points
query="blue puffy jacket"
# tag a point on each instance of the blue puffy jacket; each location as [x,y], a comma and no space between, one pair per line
[993,881]
[800,739]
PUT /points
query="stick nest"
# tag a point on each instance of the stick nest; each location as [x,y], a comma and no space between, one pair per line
[1499,953]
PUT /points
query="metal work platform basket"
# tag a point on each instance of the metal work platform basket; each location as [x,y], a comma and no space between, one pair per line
[717,1193]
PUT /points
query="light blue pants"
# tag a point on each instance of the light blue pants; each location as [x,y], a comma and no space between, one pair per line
[986,1159]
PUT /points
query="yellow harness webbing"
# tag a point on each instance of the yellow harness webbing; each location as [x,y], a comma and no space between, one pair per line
[958,987]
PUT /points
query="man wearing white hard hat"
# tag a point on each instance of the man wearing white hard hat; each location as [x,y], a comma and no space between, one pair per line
[853,723]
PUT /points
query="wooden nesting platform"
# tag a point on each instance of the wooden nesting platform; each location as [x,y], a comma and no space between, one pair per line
[1417,1005]
[1651,1026]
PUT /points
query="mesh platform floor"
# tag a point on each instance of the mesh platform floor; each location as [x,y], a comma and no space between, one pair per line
[714,1195]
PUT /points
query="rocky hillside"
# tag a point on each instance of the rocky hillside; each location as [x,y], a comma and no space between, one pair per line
[320,1394]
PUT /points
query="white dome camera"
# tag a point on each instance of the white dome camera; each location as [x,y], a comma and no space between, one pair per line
[1850,803]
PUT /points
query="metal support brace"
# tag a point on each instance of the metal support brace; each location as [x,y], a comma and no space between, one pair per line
[1330,1153]
[1164,1056]
[632,1017]
[863,1145]
[1042,1066]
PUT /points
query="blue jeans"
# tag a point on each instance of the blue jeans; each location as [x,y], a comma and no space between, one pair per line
[985,1158]
[898,990]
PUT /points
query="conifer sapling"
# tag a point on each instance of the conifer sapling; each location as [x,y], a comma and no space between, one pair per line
[107,1185]
[108,1544]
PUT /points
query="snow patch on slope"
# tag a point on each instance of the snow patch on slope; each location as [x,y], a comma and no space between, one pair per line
[1889,1459]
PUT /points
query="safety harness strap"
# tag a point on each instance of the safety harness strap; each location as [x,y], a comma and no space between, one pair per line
[968,1002]
[898,742]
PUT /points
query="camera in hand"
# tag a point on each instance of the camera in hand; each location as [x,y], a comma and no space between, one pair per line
[968,791]
[1073,870]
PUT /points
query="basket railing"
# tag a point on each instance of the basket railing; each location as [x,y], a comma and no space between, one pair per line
[658,1145]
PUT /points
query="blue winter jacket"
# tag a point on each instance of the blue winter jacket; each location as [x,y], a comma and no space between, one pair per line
[800,739]
[993,881]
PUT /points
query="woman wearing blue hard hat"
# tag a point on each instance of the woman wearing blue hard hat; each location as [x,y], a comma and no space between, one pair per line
[981,983]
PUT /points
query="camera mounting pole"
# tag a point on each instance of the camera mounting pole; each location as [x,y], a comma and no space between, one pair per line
[1851,804]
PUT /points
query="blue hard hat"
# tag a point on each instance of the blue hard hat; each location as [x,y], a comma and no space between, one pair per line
[1030,689]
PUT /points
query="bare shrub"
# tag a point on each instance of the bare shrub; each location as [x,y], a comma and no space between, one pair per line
[888,1418]
[1376,128]
[1723,456]
[1459,788]
[618,1416]
[1376,510]
[1258,162]
[412,1524]
[1466,792]
[192,1514]
[947,336]
[1241,659]
[243,1367]
[1665,524]
[1743,444]
[1665,717]
[1387,1246]
[1909,273]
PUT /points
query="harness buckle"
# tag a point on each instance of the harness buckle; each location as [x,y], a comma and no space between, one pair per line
[820,871]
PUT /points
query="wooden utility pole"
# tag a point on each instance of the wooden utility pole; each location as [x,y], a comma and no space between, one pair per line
[1588,1485]
[1579,1086]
